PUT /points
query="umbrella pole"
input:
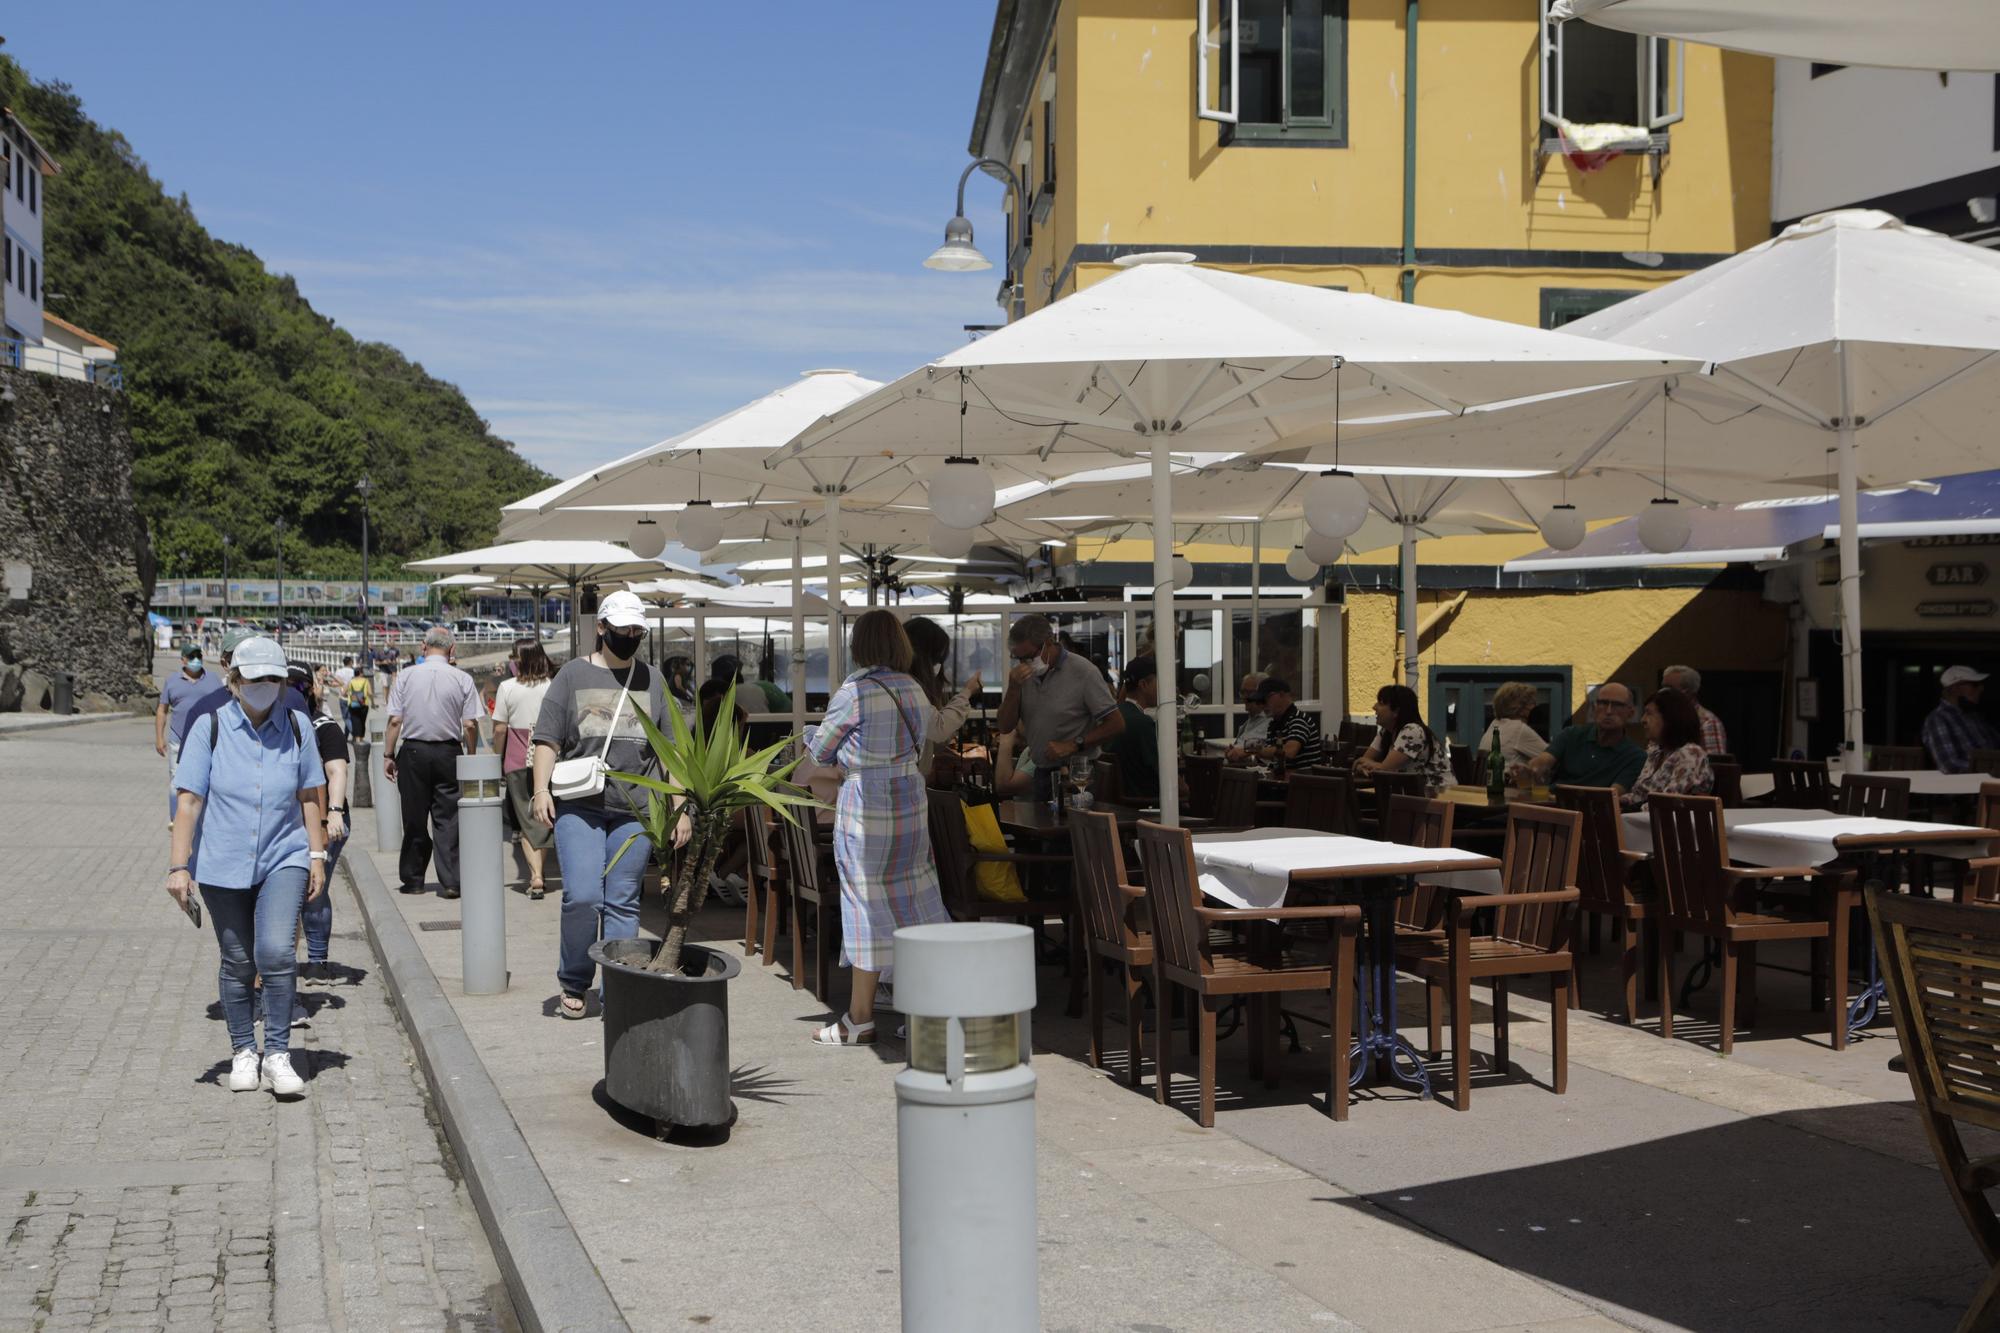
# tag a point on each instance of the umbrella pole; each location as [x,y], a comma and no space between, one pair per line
[572,619]
[1256,600]
[1850,594]
[1166,724]
[834,675]
[1406,598]
[798,672]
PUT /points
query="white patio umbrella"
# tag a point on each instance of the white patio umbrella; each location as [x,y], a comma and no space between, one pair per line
[1909,34]
[1849,335]
[545,565]
[1169,357]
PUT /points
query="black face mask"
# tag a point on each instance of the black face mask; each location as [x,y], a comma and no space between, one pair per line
[623,645]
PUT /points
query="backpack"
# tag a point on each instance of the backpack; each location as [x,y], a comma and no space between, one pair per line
[215,728]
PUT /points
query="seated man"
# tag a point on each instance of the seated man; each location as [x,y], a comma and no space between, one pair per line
[1593,754]
[1256,723]
[1714,736]
[1295,736]
[1956,727]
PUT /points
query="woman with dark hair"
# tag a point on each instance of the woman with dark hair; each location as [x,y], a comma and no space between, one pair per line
[930,649]
[1402,741]
[1675,762]
[874,731]
[517,707]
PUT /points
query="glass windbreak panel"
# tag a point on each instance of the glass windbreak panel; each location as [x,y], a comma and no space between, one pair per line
[1308,60]
[1461,704]
[1261,33]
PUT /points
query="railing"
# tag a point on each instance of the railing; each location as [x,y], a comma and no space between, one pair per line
[60,362]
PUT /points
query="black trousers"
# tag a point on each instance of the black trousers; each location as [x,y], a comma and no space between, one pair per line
[427,783]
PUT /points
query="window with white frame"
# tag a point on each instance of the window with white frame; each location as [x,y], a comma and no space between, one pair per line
[1273,71]
[1594,76]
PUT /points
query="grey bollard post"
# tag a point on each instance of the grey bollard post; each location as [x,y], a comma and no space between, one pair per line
[388,801]
[482,907]
[965,1128]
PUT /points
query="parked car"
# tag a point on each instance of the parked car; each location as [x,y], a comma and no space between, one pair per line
[479,629]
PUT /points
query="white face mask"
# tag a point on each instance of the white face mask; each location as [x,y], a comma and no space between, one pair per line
[259,695]
[1041,667]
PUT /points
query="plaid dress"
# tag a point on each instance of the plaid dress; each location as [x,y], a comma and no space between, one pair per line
[874,728]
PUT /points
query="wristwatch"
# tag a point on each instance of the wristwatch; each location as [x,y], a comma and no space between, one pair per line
[316,856]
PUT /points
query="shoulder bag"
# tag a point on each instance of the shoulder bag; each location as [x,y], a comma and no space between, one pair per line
[582,778]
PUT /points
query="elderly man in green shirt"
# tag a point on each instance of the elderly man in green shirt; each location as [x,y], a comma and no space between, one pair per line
[1593,754]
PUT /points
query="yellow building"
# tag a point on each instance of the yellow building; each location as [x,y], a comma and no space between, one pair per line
[1413,151]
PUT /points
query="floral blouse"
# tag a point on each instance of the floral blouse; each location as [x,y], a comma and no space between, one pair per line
[1682,772]
[1413,741]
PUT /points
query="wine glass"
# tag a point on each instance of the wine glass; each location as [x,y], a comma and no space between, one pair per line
[1079,781]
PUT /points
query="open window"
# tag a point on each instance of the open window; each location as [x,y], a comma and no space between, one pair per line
[1218,60]
[1274,70]
[1599,76]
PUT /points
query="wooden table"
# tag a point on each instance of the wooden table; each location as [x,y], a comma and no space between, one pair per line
[1923,782]
[1477,801]
[1260,867]
[1034,819]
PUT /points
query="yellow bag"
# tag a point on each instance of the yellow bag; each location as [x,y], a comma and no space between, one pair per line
[996,882]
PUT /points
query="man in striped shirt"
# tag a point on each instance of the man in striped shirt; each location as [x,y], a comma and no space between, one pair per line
[1295,734]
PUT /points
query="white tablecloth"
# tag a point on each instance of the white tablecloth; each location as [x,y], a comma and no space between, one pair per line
[1923,782]
[1801,837]
[1254,868]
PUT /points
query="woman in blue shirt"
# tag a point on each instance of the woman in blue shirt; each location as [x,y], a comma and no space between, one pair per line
[250,831]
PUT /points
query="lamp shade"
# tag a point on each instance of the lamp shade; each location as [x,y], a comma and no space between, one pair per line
[648,539]
[1300,565]
[1183,571]
[1664,527]
[1335,504]
[1562,528]
[962,493]
[958,254]
[1323,551]
[952,543]
[700,527]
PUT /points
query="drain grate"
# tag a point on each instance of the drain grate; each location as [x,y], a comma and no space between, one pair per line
[438,925]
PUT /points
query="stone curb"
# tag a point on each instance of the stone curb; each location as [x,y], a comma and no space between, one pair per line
[553,1283]
[50,721]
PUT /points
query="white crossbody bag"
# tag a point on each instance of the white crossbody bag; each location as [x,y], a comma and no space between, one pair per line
[582,778]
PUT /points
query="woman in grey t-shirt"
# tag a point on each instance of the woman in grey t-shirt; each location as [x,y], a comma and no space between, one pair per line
[577,713]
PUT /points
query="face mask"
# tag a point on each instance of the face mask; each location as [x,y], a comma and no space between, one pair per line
[623,645]
[259,695]
[1041,668]
[193,666]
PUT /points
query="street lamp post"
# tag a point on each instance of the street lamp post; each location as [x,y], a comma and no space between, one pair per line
[278,524]
[958,254]
[227,540]
[364,488]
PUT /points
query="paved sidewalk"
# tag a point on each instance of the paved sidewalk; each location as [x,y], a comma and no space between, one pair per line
[135,1190]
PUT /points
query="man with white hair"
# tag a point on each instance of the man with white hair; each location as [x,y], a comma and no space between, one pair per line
[1686,680]
[434,716]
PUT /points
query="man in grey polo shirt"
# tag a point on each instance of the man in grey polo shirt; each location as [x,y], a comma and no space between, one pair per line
[1058,699]
[434,716]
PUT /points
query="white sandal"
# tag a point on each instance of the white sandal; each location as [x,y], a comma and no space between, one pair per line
[844,1031]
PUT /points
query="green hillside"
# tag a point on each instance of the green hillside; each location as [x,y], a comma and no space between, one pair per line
[245,404]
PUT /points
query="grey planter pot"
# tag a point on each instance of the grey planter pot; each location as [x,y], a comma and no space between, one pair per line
[666,1036]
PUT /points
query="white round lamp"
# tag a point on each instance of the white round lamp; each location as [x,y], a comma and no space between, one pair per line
[962,493]
[952,543]
[1323,551]
[1562,528]
[1301,566]
[1336,505]
[1183,572]
[700,526]
[1665,526]
[648,539]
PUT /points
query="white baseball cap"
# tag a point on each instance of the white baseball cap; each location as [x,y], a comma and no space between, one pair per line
[623,609]
[1959,675]
[259,658]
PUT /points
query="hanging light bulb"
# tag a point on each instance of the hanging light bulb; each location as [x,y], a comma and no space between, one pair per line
[1665,526]
[962,493]
[1336,505]
[952,543]
[1323,551]
[1301,566]
[700,526]
[1562,528]
[648,539]
[1183,572]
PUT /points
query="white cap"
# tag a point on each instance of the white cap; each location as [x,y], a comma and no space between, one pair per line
[623,609]
[259,658]
[1959,675]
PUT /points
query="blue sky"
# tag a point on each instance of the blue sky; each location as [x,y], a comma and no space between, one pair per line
[606,223]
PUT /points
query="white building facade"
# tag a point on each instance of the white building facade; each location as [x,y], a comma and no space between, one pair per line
[21,203]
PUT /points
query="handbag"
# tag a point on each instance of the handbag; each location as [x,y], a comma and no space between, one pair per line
[582,778]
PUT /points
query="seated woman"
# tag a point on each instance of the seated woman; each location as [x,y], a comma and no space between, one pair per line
[1675,762]
[1402,741]
[1519,742]
[1013,770]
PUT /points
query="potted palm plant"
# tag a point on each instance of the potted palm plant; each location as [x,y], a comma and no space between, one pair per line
[666,1002]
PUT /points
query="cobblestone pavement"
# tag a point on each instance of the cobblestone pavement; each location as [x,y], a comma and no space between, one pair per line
[135,1190]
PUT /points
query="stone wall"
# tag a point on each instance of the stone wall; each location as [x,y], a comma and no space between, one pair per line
[66,512]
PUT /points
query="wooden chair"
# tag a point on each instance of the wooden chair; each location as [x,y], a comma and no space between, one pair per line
[1236,799]
[1106,785]
[765,883]
[1728,782]
[1203,774]
[1112,926]
[1701,894]
[1979,886]
[1612,884]
[1385,786]
[1533,917]
[1320,801]
[1942,968]
[1417,821]
[814,886]
[1800,784]
[1986,761]
[1464,766]
[1873,796]
[1887,758]
[958,862]
[1184,955]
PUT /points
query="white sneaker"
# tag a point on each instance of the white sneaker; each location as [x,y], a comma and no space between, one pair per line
[278,1075]
[243,1070]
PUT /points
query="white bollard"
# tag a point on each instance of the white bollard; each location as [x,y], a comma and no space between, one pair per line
[965,1128]
[388,801]
[482,906]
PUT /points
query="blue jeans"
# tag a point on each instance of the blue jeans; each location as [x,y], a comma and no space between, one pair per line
[317,916]
[586,839]
[258,929]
